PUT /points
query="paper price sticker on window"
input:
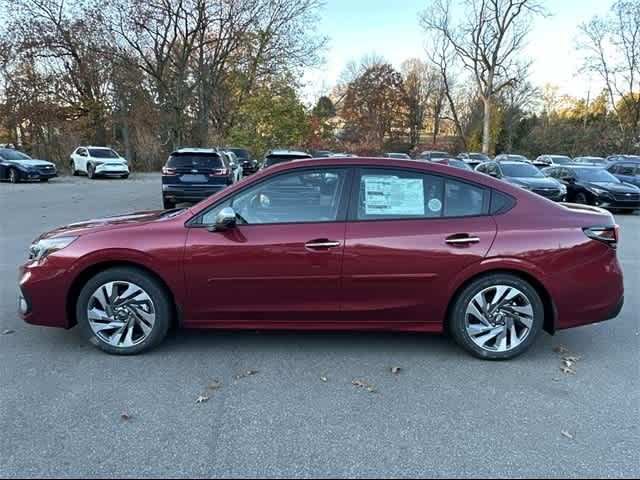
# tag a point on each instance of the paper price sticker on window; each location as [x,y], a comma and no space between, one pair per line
[393,196]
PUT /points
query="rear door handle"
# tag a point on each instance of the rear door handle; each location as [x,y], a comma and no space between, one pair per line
[464,239]
[322,244]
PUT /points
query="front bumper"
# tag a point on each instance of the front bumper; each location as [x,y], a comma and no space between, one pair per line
[189,194]
[36,175]
[617,204]
[111,170]
[42,293]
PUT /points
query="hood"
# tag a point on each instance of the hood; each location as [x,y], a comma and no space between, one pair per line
[615,187]
[34,163]
[99,224]
[534,182]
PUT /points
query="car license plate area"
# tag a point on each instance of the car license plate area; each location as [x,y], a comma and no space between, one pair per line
[190,178]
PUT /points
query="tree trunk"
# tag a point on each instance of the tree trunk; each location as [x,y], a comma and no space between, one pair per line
[486,125]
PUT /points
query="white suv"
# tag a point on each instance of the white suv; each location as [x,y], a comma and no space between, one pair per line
[98,162]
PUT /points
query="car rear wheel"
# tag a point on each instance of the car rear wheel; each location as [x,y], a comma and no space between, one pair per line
[44,180]
[124,311]
[497,317]
[125,176]
[73,169]
[13,175]
[91,171]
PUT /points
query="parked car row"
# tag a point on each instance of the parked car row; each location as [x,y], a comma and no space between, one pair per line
[17,167]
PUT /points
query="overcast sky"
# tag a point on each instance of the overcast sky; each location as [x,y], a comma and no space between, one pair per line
[391,28]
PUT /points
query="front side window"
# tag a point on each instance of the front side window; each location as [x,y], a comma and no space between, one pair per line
[399,195]
[305,196]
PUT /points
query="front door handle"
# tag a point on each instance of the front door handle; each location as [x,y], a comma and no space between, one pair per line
[322,244]
[464,239]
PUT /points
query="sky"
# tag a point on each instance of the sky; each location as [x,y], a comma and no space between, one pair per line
[391,29]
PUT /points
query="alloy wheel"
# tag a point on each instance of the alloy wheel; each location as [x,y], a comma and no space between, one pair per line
[121,314]
[13,176]
[499,318]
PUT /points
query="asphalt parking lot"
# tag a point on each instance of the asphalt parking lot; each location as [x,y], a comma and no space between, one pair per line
[444,414]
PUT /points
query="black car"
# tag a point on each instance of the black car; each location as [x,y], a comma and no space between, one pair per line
[249,164]
[526,176]
[273,157]
[17,167]
[193,174]
[591,185]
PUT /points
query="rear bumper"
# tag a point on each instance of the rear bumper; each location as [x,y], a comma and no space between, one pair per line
[190,194]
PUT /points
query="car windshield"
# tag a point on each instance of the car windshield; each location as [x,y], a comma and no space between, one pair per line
[241,153]
[103,153]
[194,161]
[479,156]
[595,175]
[520,170]
[275,159]
[561,160]
[598,160]
[439,155]
[13,155]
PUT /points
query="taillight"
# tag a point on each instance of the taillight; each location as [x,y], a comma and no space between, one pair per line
[220,172]
[168,171]
[608,235]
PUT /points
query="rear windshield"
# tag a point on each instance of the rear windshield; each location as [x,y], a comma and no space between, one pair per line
[598,160]
[521,170]
[517,158]
[561,160]
[194,161]
[439,155]
[103,153]
[459,164]
[479,156]
[241,153]
[275,159]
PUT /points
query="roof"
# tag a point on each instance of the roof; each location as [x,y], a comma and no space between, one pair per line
[195,150]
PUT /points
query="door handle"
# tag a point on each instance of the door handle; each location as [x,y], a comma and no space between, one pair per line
[321,244]
[461,239]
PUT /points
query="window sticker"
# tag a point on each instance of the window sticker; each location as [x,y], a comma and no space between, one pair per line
[435,205]
[390,195]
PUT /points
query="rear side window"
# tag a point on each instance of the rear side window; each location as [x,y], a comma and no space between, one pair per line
[398,195]
[195,161]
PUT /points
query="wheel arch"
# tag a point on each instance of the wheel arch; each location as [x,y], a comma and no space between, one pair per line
[90,271]
[550,311]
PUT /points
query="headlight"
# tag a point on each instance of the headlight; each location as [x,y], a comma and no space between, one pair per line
[598,191]
[42,248]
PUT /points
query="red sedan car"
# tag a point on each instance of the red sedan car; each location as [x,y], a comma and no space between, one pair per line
[332,244]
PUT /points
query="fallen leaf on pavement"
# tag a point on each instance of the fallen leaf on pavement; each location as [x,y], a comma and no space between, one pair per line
[372,390]
[568,364]
[324,379]
[568,435]
[359,383]
[571,359]
[246,374]
[8,332]
[395,369]
[561,349]
[202,398]
[568,370]
[216,384]
[124,416]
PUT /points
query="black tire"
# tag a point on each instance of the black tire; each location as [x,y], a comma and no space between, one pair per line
[156,291]
[168,204]
[457,320]
[91,171]
[44,180]
[72,167]
[581,198]
[14,177]
[125,176]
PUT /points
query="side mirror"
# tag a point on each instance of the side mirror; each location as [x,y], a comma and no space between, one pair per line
[225,219]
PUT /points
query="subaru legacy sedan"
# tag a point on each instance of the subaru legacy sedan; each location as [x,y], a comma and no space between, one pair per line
[335,244]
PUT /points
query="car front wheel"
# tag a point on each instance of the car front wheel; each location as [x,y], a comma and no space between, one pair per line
[124,311]
[13,176]
[91,172]
[497,317]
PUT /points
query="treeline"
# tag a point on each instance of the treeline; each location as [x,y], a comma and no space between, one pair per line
[147,77]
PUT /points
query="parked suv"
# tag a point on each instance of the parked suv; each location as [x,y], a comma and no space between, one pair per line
[525,175]
[626,171]
[98,162]
[193,174]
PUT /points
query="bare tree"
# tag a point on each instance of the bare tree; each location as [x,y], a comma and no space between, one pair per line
[487,41]
[612,45]
[420,83]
